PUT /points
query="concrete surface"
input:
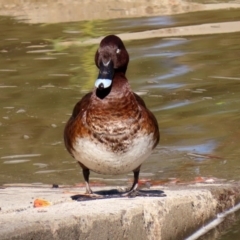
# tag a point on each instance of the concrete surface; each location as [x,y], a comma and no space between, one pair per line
[47,11]
[183,210]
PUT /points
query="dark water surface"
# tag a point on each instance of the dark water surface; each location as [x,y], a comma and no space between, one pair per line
[229,229]
[232,233]
[191,84]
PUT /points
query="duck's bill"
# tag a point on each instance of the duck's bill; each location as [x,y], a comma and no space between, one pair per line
[103,83]
[105,76]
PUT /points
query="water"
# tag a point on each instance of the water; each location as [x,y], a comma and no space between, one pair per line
[191,84]
[233,232]
[227,230]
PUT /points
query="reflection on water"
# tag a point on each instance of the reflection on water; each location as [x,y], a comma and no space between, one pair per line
[191,84]
[234,232]
[227,230]
[205,148]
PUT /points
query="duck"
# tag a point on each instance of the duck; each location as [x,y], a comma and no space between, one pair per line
[111,131]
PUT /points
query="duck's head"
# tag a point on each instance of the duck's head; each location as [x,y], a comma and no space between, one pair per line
[111,57]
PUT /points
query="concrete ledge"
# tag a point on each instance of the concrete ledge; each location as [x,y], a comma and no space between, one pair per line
[46,11]
[176,216]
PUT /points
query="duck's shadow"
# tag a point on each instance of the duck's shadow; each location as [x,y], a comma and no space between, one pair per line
[114,193]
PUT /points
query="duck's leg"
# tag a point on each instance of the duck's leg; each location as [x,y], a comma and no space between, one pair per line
[134,187]
[89,193]
[135,180]
[86,173]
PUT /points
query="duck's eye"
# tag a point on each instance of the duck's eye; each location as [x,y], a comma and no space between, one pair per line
[118,51]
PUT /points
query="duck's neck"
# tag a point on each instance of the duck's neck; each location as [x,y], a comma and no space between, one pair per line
[119,89]
[118,96]
[120,102]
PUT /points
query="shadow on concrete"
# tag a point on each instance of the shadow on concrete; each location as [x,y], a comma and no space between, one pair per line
[114,193]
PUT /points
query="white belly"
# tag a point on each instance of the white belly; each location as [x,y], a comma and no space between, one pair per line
[98,158]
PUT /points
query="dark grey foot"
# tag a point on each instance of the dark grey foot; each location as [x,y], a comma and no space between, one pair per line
[86,196]
[144,193]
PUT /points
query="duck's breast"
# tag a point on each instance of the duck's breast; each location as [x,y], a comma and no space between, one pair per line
[114,135]
[100,158]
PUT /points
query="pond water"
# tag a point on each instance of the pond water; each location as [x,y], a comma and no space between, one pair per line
[191,84]
[227,230]
[232,233]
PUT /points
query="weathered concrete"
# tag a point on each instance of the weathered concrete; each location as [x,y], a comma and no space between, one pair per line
[175,216]
[47,11]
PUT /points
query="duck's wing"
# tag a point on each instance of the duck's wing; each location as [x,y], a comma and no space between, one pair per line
[81,106]
[74,123]
[139,100]
[150,119]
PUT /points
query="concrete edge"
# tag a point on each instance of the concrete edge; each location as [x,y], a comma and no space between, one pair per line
[45,11]
[176,216]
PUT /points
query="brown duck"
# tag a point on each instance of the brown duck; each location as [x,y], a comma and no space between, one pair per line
[111,131]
